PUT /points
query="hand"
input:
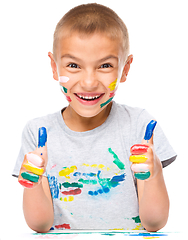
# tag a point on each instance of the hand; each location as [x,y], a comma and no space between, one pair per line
[146,164]
[34,164]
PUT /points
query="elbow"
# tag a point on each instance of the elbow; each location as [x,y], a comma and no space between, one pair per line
[154,226]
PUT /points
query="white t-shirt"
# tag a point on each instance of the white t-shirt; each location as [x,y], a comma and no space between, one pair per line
[92,185]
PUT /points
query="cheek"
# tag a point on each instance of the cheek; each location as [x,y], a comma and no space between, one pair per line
[63,79]
[112,85]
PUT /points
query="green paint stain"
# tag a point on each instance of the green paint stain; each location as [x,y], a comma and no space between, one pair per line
[92,182]
[142,175]
[136,219]
[30,176]
[116,161]
[63,89]
[67,185]
[105,103]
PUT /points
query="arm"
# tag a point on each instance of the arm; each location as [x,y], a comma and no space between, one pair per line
[152,193]
[153,202]
[38,207]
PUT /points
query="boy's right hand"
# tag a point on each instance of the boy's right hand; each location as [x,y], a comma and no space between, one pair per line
[34,164]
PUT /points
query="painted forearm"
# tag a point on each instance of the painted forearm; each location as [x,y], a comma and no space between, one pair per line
[38,209]
[154,203]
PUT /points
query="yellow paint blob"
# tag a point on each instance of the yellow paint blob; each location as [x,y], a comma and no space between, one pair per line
[150,237]
[65,172]
[32,168]
[138,158]
[138,227]
[69,199]
[112,85]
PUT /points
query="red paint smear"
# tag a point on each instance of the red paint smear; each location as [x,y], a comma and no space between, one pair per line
[139,149]
[112,94]
[72,192]
[68,99]
[26,183]
[63,226]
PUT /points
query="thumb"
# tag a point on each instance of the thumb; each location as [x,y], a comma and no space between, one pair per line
[148,138]
[42,143]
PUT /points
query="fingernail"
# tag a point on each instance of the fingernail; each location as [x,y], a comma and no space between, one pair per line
[42,137]
[139,149]
[149,130]
[34,159]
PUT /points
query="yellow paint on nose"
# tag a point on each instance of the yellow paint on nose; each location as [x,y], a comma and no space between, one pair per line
[32,168]
[112,85]
[138,158]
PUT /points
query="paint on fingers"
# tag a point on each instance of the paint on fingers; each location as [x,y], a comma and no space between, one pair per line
[30,177]
[32,168]
[42,137]
[138,158]
[142,175]
[141,167]
[149,130]
[25,183]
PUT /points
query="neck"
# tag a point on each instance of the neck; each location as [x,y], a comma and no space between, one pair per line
[78,123]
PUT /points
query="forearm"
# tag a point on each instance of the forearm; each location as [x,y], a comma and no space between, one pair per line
[38,209]
[153,203]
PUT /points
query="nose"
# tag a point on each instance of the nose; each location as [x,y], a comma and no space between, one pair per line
[89,81]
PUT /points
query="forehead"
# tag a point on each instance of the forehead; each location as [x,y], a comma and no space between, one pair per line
[96,45]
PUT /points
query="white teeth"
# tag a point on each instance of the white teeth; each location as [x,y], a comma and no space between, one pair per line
[88,97]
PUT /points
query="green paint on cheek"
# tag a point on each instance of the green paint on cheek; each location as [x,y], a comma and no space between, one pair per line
[63,89]
[142,175]
[30,176]
[105,103]
[116,160]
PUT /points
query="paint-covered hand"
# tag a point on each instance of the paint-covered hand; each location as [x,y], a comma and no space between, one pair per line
[146,164]
[34,164]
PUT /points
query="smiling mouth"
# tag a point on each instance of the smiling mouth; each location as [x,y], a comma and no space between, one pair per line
[89,97]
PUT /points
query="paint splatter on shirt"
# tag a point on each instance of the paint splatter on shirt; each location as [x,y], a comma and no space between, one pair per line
[89,173]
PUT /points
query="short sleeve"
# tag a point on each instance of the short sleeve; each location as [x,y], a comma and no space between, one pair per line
[28,144]
[163,149]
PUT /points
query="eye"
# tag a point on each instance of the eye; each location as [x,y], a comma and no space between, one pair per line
[106,65]
[73,65]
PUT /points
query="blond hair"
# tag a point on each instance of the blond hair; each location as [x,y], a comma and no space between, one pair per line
[92,18]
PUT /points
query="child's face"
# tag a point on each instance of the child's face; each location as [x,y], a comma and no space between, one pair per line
[89,70]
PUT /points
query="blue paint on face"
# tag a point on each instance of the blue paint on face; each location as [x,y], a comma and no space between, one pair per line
[149,130]
[42,137]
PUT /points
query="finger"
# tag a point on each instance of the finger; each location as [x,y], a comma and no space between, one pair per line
[142,175]
[141,167]
[138,149]
[138,158]
[41,149]
[148,138]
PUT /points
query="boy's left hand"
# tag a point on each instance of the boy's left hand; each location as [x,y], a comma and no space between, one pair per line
[146,165]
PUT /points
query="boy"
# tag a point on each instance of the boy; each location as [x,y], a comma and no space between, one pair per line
[81,176]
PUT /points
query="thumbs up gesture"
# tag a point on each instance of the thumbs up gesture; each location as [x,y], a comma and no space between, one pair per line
[145,162]
[34,164]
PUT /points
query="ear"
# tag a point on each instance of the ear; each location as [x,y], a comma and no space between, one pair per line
[126,68]
[53,66]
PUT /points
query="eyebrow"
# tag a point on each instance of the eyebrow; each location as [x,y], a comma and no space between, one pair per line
[100,60]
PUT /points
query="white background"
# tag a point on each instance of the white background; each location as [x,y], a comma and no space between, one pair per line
[158,81]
